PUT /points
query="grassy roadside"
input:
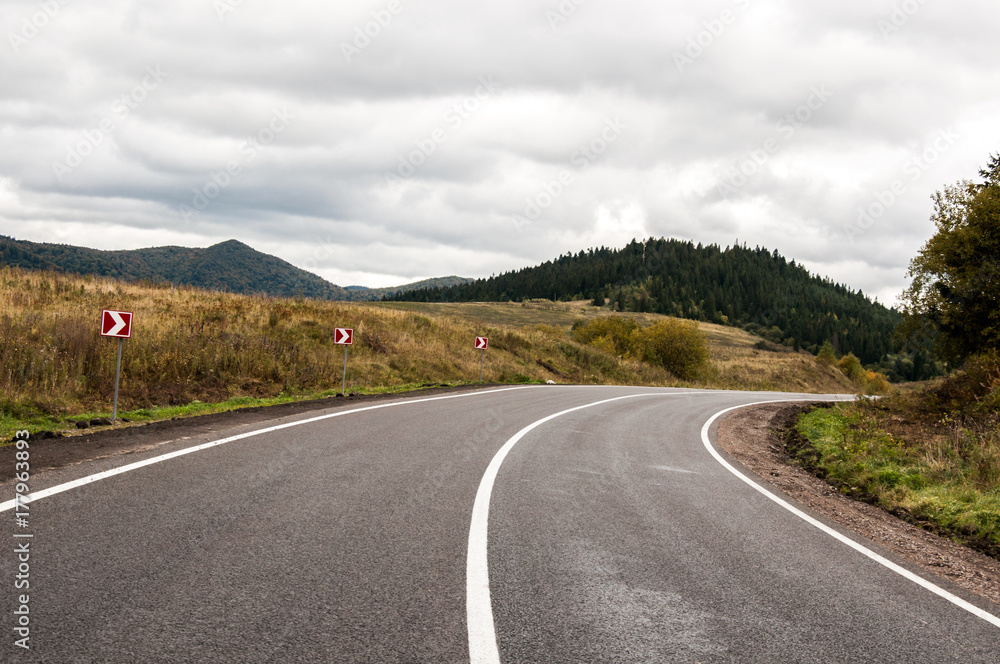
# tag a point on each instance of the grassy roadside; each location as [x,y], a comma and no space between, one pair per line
[193,351]
[41,421]
[930,455]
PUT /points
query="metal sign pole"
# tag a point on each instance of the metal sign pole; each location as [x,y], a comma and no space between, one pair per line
[482,358]
[343,382]
[118,373]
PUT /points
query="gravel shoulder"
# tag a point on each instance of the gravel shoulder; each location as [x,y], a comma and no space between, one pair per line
[754,437]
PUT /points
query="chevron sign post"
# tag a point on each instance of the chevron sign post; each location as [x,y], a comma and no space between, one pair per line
[343,336]
[482,343]
[117,324]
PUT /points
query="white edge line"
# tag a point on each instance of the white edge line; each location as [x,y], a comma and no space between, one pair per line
[59,488]
[479,605]
[905,573]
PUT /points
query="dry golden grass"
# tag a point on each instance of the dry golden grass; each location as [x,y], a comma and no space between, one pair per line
[197,345]
[189,344]
[737,360]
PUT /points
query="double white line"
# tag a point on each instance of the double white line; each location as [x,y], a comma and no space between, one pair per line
[479,609]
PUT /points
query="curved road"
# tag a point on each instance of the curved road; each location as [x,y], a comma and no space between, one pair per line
[535,524]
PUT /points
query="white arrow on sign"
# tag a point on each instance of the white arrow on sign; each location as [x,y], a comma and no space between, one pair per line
[119,323]
[482,343]
[343,336]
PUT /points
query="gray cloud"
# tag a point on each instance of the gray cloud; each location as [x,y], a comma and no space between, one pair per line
[715,144]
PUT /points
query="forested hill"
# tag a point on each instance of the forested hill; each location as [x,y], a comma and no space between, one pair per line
[228,266]
[750,288]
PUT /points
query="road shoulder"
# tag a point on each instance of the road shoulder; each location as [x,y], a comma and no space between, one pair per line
[59,452]
[751,437]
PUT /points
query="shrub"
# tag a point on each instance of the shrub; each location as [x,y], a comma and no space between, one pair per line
[610,333]
[851,366]
[677,346]
[826,355]
[876,383]
[870,382]
[977,384]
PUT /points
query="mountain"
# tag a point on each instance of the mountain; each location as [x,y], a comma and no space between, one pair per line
[754,289]
[228,266]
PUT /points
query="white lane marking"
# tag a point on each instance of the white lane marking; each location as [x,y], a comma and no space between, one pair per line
[479,605]
[45,493]
[905,573]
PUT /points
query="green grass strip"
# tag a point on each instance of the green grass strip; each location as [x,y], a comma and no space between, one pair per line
[946,483]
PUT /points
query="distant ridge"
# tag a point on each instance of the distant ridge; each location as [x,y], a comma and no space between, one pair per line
[228,266]
[436,282]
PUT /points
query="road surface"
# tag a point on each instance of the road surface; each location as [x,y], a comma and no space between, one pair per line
[531,524]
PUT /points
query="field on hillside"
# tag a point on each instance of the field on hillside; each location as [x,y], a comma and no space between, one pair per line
[190,345]
[740,360]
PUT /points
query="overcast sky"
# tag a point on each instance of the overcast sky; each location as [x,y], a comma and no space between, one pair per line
[383,141]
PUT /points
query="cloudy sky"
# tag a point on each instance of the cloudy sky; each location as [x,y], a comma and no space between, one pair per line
[382,141]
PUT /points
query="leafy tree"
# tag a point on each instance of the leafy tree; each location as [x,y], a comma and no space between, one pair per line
[955,292]
[991,174]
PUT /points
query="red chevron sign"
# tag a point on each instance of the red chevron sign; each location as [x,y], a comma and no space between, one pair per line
[343,336]
[116,324]
[482,343]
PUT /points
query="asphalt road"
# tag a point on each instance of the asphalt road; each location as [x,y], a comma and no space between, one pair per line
[613,536]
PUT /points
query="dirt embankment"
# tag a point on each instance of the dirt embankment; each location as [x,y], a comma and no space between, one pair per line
[755,437]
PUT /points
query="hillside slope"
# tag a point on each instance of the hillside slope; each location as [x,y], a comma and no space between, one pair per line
[191,344]
[754,289]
